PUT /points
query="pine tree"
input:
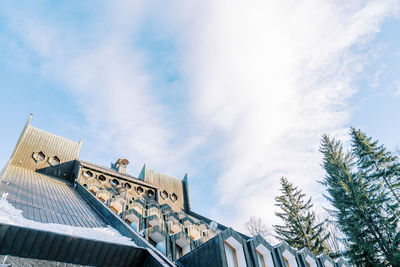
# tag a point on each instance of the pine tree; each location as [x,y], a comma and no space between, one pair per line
[363,209]
[300,228]
[376,163]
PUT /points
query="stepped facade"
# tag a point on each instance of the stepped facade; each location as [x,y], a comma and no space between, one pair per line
[47,182]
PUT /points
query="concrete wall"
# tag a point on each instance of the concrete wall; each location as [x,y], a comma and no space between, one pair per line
[119,224]
[207,255]
[259,244]
[133,187]
[306,258]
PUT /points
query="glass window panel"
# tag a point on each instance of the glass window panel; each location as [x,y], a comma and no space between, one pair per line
[260,259]
[230,255]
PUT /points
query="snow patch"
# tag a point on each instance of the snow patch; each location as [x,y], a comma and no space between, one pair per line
[10,215]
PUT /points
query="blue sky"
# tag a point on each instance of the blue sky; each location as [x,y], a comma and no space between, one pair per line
[236,94]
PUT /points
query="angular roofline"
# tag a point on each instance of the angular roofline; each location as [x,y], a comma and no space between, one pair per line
[4,171]
[64,248]
[98,167]
[306,251]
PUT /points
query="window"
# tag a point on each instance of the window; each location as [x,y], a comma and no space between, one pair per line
[115,182]
[54,161]
[164,194]
[289,258]
[139,189]
[102,178]
[328,264]
[231,255]
[179,252]
[88,174]
[38,156]
[128,186]
[266,256]
[150,193]
[174,197]
[234,252]
[286,261]
[114,209]
[260,259]
[310,261]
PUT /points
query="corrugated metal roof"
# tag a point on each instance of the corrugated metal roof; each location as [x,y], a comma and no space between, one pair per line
[37,140]
[164,182]
[30,181]
[42,245]
[19,261]
[47,199]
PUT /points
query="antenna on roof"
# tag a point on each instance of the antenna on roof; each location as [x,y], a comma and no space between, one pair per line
[29,119]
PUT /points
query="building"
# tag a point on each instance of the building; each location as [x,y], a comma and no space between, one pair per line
[53,203]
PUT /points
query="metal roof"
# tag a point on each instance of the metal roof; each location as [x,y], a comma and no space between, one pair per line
[19,261]
[47,199]
[42,245]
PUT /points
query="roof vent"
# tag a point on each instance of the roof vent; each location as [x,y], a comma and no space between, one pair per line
[120,165]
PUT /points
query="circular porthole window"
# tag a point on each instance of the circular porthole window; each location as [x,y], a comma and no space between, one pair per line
[102,178]
[127,186]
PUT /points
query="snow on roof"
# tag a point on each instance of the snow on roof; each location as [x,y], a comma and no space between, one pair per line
[10,215]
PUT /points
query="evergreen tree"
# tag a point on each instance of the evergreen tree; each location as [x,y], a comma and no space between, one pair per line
[334,242]
[300,228]
[362,207]
[375,162]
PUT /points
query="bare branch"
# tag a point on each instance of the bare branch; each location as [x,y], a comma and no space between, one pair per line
[256,226]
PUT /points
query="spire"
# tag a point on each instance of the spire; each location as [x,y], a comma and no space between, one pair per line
[142,174]
[185,185]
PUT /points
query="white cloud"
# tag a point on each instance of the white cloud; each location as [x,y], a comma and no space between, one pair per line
[271,77]
[267,77]
[107,75]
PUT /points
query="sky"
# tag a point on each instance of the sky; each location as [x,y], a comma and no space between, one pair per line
[235,93]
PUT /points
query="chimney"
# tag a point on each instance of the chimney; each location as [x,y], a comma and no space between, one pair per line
[120,165]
